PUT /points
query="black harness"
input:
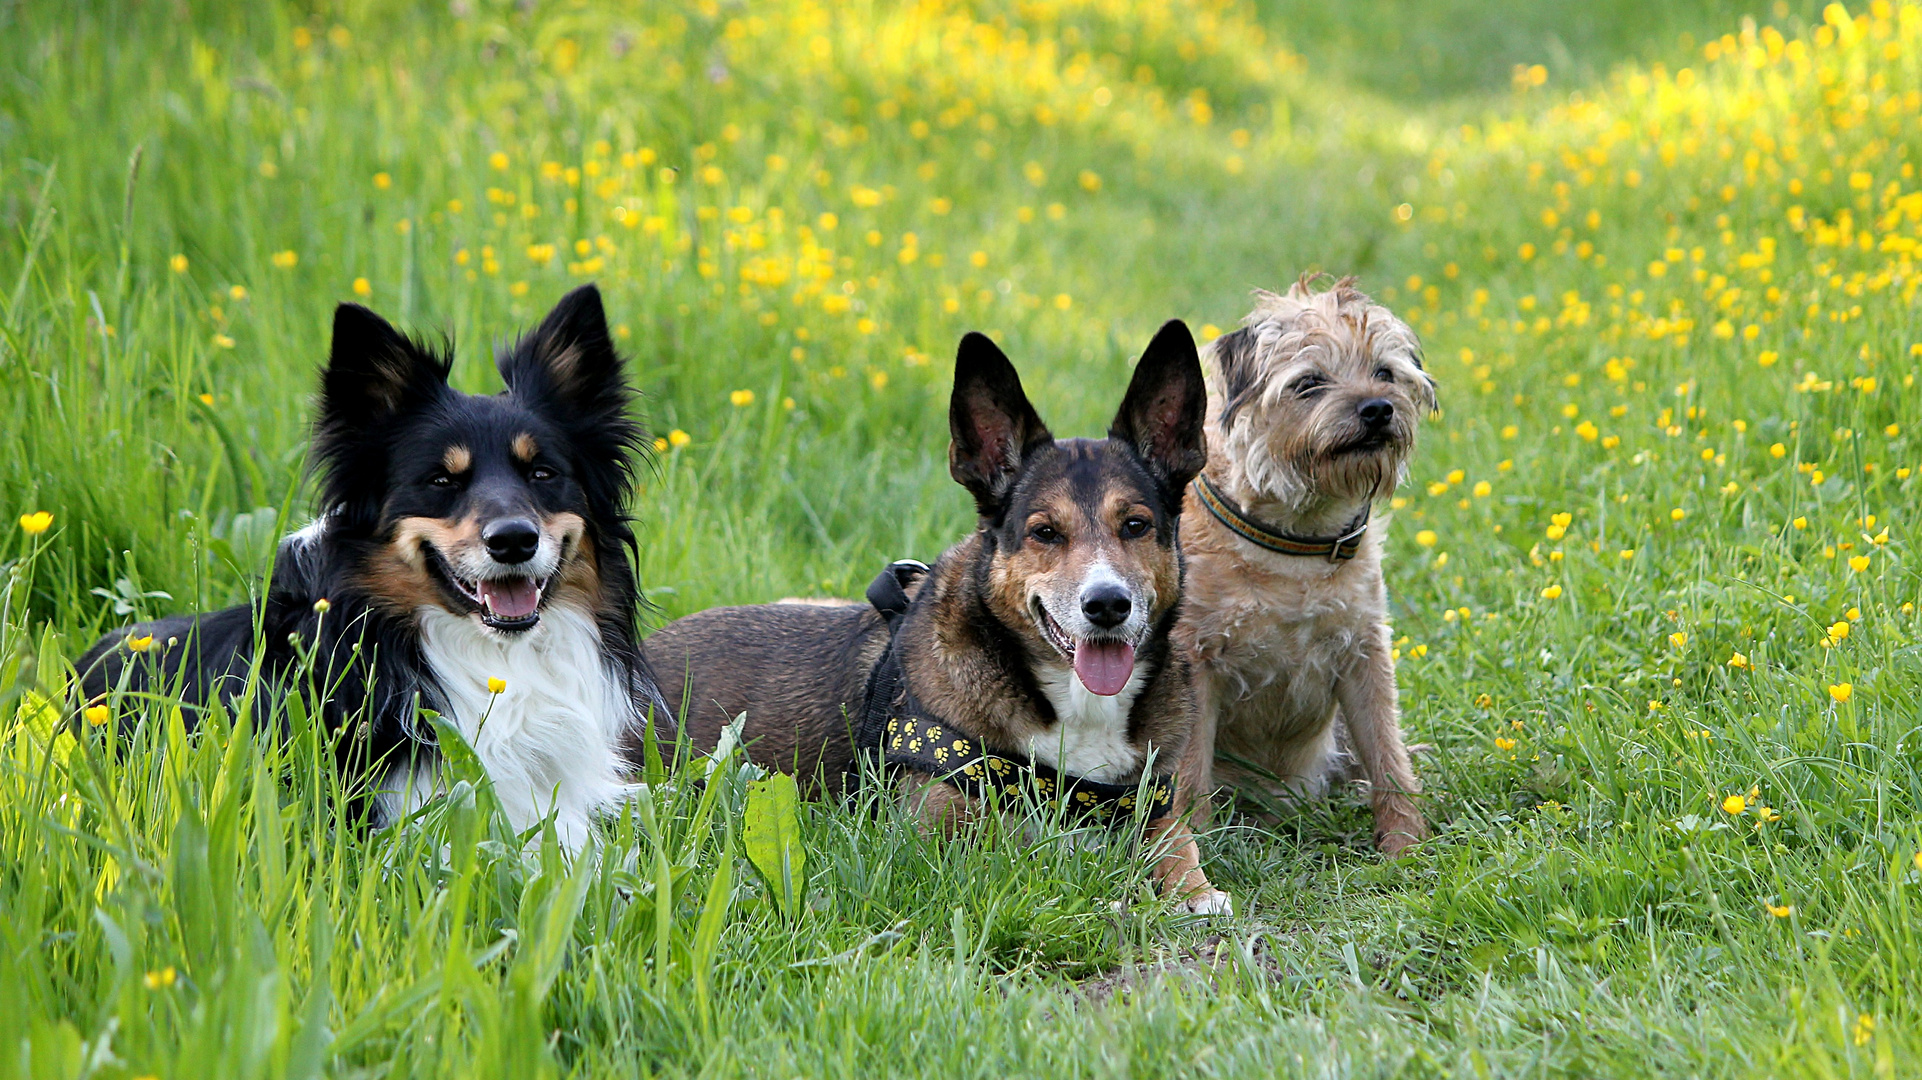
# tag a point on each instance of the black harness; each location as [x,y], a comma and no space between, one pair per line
[909,736]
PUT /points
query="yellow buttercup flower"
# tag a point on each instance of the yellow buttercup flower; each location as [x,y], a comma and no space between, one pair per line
[496,685]
[741,398]
[1678,639]
[156,980]
[98,715]
[1780,911]
[1734,804]
[678,438]
[1553,592]
[36,523]
[140,643]
[1739,660]
[1858,563]
[1841,691]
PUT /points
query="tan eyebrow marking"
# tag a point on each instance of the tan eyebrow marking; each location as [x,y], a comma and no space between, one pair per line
[457,459]
[525,447]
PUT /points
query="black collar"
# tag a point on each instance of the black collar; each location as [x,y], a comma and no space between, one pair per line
[1262,535]
[909,736]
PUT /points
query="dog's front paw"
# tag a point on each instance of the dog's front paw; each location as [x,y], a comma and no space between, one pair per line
[1398,830]
[1209,902]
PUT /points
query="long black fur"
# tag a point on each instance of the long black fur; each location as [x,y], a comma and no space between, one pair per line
[380,390]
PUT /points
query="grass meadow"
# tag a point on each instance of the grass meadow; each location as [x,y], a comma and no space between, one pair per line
[1654,596]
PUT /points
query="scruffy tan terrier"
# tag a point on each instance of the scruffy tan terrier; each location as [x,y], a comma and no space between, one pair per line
[1313,406]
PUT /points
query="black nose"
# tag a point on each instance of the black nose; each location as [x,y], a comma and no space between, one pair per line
[1106,606]
[1376,411]
[513,540]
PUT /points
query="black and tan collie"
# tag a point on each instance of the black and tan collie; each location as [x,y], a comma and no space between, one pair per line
[468,556]
[1035,651]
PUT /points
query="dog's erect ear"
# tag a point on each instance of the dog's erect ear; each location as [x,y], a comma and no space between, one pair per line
[375,372]
[1163,414]
[568,370]
[992,425]
[569,362]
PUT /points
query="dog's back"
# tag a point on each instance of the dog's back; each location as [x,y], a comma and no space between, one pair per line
[799,672]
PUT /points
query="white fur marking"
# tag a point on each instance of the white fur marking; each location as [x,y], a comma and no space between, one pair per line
[548,741]
[1090,736]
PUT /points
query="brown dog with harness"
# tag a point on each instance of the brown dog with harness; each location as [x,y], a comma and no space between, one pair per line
[1036,653]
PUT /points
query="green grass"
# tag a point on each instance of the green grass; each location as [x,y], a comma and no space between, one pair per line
[198,905]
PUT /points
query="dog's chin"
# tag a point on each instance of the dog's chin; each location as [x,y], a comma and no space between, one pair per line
[1103,664]
[510,603]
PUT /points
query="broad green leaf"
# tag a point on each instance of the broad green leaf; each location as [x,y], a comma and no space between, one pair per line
[773,837]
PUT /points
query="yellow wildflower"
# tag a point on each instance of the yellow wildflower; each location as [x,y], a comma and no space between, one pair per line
[156,980]
[36,523]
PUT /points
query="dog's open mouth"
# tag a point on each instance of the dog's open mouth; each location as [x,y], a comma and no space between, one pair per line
[503,603]
[1103,665]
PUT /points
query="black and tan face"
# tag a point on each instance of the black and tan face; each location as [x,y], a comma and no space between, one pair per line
[488,507]
[1086,562]
[483,512]
[1320,396]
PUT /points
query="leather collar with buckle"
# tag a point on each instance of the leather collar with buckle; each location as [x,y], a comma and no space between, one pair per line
[1225,510]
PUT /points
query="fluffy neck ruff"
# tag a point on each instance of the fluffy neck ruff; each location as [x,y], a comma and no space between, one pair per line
[549,741]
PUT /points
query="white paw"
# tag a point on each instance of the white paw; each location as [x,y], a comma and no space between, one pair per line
[1211,902]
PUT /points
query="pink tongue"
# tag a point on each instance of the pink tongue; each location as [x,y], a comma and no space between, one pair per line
[511,598]
[1104,666]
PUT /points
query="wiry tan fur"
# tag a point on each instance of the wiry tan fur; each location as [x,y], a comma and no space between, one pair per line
[1286,647]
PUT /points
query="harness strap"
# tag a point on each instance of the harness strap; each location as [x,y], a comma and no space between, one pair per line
[907,735]
[1262,535]
[931,746]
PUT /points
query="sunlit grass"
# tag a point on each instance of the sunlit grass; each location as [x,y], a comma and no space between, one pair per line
[1653,605]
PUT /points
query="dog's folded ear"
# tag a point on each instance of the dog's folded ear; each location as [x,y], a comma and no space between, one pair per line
[992,425]
[1163,414]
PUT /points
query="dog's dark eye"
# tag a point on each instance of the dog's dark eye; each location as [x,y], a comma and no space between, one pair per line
[1135,528]
[443,480]
[1309,385]
[1384,375]
[1045,534]
[541,472]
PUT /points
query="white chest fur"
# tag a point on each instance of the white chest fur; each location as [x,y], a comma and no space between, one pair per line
[548,741]
[1090,735]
